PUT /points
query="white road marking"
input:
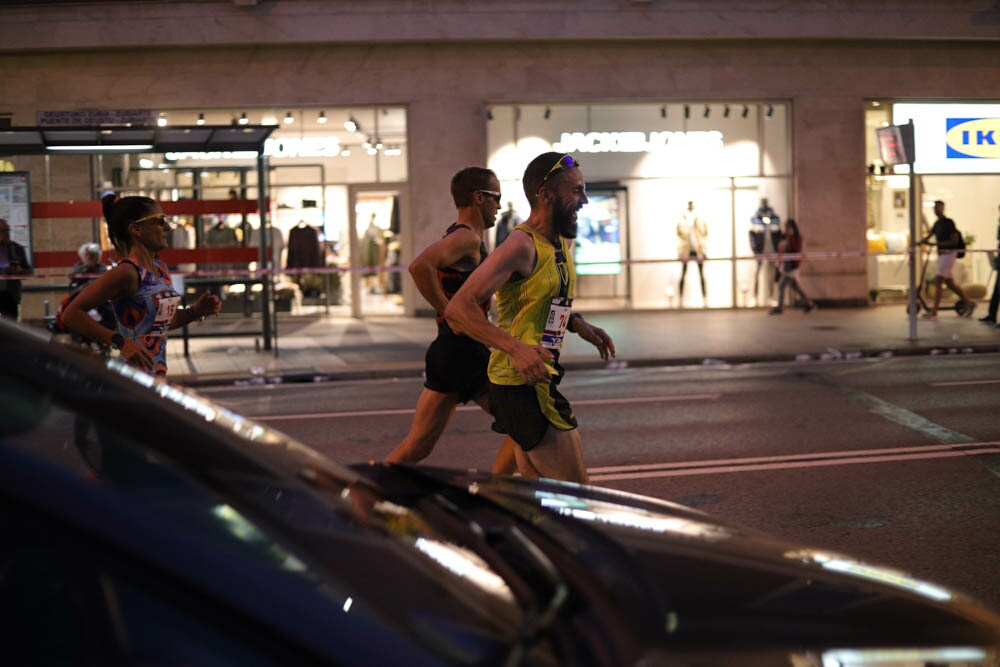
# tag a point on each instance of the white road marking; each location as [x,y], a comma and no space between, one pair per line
[963,383]
[410,411]
[713,467]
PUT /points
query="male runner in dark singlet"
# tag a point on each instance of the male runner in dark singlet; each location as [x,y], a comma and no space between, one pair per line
[455,365]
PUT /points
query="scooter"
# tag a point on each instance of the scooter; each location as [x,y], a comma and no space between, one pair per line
[963,308]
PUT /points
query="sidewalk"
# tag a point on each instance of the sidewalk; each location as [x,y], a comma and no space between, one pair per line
[317,348]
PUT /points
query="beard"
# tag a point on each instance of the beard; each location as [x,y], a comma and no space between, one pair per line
[565,220]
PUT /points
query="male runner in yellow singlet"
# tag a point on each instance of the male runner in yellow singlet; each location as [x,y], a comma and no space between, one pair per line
[533,276]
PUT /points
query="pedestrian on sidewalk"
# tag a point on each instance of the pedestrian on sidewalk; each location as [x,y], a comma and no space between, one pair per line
[455,365]
[139,288]
[533,276]
[13,262]
[791,244]
[948,240]
[991,314]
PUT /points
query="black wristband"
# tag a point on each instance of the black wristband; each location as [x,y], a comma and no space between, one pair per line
[117,341]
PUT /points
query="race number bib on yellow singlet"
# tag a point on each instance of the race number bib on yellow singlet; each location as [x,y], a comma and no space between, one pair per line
[556,323]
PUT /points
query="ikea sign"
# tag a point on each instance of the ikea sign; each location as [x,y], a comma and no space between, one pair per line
[953,138]
[973,137]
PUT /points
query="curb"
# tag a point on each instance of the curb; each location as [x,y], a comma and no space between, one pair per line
[416,369]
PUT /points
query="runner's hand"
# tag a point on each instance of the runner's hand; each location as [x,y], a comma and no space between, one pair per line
[534,363]
[137,355]
[596,336]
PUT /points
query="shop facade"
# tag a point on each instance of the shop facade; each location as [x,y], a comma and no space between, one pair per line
[957,162]
[459,95]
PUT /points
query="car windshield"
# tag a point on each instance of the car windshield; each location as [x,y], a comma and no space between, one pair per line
[251,494]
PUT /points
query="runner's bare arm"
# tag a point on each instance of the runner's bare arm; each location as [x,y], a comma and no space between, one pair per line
[462,245]
[514,257]
[112,284]
[596,336]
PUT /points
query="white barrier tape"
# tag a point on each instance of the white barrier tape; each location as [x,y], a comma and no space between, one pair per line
[260,273]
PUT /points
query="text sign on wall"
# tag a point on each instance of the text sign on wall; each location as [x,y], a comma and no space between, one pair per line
[91,117]
[953,138]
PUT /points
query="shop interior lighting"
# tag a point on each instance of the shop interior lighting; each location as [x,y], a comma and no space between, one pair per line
[351,124]
[663,112]
[725,111]
[321,119]
[201,119]
[161,121]
[289,118]
[243,119]
[707,111]
[102,148]
[745,111]
[378,144]
[346,152]
[548,113]
[770,110]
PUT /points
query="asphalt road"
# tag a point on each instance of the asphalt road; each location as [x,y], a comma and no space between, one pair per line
[896,461]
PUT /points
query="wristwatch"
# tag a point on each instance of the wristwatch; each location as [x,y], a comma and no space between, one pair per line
[117,341]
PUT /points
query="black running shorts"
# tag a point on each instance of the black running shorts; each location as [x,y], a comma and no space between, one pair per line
[524,412]
[457,365]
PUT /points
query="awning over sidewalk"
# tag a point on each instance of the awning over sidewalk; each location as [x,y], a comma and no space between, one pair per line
[124,139]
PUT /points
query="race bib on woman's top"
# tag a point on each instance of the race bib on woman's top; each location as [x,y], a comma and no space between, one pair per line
[166,306]
[556,323]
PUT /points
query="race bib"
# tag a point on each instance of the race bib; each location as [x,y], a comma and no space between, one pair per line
[556,323]
[166,306]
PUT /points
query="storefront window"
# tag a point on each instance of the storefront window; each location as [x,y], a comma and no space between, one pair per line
[958,162]
[321,161]
[653,170]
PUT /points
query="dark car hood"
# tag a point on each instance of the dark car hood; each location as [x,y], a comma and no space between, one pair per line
[690,582]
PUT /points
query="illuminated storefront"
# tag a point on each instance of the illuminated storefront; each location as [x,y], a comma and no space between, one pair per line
[957,162]
[648,168]
[335,180]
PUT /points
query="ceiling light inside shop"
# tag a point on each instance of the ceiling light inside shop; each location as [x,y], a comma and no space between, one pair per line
[707,111]
[201,119]
[378,144]
[745,111]
[321,118]
[162,120]
[146,163]
[243,119]
[548,113]
[269,120]
[770,110]
[687,111]
[372,150]
[345,152]
[663,112]
[289,118]
[393,151]
[351,125]
[725,111]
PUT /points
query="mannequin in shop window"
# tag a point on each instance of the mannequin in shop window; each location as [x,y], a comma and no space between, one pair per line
[765,235]
[692,242]
[372,254]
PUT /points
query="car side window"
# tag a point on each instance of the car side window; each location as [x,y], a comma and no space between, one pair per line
[65,599]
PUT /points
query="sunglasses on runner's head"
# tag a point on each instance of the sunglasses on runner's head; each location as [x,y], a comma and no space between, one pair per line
[495,196]
[565,162]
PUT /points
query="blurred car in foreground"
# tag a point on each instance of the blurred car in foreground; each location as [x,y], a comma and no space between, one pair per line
[143,525]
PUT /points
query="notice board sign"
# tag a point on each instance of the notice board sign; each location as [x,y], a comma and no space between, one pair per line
[895,144]
[15,208]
